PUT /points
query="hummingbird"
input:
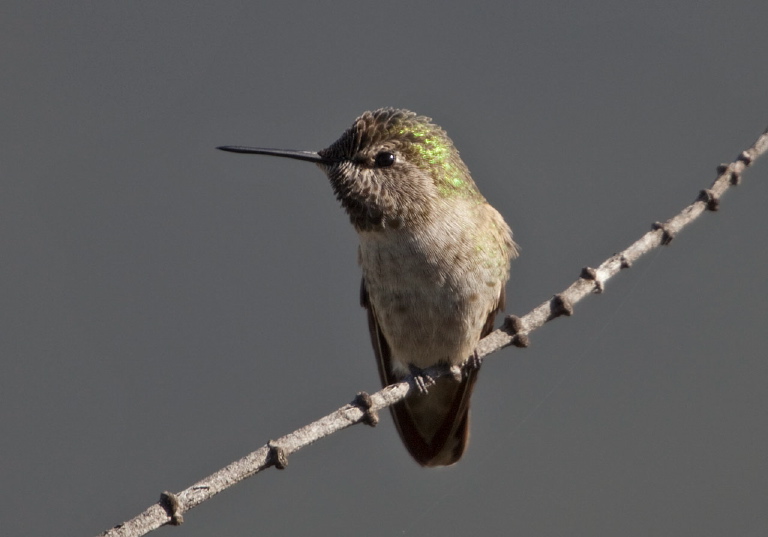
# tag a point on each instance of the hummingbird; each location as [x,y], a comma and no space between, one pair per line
[435,259]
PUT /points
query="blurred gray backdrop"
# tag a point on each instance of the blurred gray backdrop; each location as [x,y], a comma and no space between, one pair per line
[168,308]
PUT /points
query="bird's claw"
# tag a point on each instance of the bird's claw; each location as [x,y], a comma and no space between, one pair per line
[474,362]
[422,380]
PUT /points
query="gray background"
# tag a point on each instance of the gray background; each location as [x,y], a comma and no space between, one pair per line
[167,308]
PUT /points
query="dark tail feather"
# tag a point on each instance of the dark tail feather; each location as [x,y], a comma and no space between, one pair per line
[435,427]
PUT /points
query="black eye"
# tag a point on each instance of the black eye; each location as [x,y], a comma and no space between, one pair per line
[384,159]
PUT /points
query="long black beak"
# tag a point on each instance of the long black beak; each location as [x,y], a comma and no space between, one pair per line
[309,156]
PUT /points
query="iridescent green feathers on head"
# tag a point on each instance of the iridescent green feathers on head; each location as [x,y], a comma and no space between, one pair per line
[360,179]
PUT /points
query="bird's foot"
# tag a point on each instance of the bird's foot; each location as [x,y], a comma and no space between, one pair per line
[474,362]
[422,380]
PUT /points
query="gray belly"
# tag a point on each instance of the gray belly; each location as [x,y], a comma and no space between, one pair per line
[431,303]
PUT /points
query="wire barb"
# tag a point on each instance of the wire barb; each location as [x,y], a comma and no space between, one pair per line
[588,273]
[666,233]
[277,456]
[711,198]
[170,502]
[364,401]
[561,305]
